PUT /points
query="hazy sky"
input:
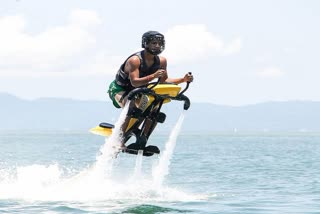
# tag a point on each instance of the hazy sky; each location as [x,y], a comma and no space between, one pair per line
[240,52]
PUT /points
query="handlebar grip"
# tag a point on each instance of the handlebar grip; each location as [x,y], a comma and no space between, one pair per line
[189,74]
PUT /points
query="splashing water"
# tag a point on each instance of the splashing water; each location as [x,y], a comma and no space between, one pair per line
[137,169]
[162,169]
[109,150]
[48,183]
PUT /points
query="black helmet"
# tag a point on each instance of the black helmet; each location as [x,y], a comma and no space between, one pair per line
[150,36]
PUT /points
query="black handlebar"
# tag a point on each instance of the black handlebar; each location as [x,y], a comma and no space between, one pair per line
[155,83]
[149,91]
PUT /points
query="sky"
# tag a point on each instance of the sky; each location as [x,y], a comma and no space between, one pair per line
[240,52]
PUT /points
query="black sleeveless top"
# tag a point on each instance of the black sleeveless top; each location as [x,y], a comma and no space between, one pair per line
[122,78]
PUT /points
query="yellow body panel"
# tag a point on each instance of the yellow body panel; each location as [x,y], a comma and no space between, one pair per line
[131,123]
[169,89]
[101,131]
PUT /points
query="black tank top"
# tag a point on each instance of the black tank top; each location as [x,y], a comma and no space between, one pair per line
[122,78]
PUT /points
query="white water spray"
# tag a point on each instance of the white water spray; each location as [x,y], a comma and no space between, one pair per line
[109,150]
[162,169]
[94,183]
[138,166]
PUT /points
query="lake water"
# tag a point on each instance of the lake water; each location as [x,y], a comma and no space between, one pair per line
[71,172]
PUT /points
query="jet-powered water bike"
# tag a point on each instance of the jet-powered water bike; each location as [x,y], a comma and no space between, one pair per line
[154,96]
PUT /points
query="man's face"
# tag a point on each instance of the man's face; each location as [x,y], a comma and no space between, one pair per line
[155,45]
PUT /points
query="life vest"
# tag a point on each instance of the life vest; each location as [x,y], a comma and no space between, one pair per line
[122,78]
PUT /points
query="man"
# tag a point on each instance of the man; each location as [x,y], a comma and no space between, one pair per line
[141,68]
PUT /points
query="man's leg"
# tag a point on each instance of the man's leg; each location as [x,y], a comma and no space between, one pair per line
[121,102]
[151,124]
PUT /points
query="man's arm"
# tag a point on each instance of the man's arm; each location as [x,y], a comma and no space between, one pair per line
[186,78]
[165,78]
[132,67]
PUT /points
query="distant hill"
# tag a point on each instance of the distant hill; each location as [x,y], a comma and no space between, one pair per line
[69,114]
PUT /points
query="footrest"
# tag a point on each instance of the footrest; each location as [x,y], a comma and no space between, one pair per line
[151,150]
[147,151]
[106,125]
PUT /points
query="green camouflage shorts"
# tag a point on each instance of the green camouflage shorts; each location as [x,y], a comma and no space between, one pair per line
[114,89]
